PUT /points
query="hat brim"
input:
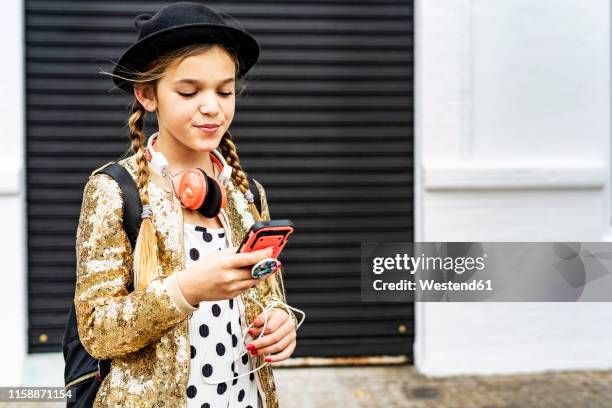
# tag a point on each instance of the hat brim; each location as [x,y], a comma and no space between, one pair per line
[150,47]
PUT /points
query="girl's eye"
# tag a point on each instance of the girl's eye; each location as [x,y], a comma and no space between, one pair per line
[187,95]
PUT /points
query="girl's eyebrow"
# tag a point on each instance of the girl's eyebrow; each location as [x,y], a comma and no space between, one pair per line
[196,82]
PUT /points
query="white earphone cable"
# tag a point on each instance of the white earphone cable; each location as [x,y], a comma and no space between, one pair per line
[240,353]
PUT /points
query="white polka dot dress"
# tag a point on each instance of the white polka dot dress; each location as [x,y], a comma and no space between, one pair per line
[215,335]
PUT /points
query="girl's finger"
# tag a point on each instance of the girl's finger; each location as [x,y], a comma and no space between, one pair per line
[286,328]
[250,258]
[274,322]
[245,284]
[276,347]
[283,355]
[244,274]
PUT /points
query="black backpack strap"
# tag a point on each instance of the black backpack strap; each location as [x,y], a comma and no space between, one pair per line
[132,206]
[255,191]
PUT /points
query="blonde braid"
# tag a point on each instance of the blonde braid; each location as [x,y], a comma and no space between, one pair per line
[239,178]
[145,253]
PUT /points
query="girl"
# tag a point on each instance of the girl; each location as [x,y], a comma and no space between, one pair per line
[178,339]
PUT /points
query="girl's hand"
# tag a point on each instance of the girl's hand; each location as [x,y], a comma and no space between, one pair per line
[220,275]
[279,339]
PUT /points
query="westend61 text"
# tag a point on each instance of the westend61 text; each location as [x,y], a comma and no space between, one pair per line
[430,284]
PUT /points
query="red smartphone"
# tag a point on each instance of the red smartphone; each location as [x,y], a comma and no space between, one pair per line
[264,234]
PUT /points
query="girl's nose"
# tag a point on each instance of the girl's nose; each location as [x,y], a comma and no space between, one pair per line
[208,105]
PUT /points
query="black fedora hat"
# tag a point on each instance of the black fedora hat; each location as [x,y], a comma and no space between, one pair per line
[178,25]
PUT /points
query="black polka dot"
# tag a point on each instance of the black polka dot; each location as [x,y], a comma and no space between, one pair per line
[216,310]
[233,367]
[203,330]
[221,388]
[207,236]
[239,322]
[234,340]
[240,395]
[245,359]
[251,376]
[221,234]
[229,328]
[220,349]
[205,405]
[192,391]
[207,370]
[194,254]
[235,379]
[231,303]
[248,406]
[193,352]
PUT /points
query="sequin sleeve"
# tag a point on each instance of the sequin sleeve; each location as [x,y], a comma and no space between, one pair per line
[275,291]
[111,320]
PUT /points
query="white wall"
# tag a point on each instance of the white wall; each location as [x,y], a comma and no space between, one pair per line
[513,144]
[13,299]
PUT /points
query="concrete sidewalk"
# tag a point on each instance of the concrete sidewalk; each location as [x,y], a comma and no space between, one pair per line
[396,386]
[402,386]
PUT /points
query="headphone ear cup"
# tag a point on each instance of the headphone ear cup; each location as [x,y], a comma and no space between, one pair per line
[223,194]
[193,189]
[212,203]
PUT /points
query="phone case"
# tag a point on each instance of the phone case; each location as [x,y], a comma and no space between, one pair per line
[264,234]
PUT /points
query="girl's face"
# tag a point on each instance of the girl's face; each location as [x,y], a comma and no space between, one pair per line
[197,91]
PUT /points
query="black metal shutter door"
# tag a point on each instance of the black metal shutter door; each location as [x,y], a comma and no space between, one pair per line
[326,126]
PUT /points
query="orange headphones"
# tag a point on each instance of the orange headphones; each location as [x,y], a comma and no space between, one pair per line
[196,190]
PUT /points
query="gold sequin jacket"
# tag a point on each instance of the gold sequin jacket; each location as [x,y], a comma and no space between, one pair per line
[146,332]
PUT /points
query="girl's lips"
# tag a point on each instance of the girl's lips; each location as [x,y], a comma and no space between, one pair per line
[208,128]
